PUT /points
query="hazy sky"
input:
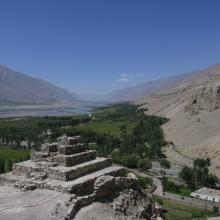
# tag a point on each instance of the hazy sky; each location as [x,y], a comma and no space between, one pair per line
[101,45]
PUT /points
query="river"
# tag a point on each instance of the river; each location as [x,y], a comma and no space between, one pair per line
[7,111]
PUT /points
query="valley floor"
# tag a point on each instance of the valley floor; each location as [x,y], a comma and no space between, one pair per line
[17,111]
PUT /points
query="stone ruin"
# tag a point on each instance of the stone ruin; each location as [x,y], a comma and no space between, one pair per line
[68,166]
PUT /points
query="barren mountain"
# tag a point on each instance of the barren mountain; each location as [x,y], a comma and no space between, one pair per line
[19,88]
[147,88]
[193,106]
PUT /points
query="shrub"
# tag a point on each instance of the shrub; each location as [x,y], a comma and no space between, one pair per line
[116,158]
[158,200]
[172,187]
[144,182]
[184,191]
[215,210]
[144,164]
[165,164]
[130,161]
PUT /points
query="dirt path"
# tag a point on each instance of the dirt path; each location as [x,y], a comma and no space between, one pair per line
[176,157]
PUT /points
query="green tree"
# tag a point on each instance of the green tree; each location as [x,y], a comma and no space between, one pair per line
[2,166]
[116,157]
[144,182]
[130,161]
[199,175]
[186,174]
[165,164]
[144,164]
[212,180]
[9,165]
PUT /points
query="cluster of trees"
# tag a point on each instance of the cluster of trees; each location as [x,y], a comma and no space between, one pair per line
[165,164]
[119,112]
[145,182]
[34,130]
[171,187]
[131,161]
[6,165]
[147,138]
[199,176]
[144,143]
[2,166]
[132,149]
[194,177]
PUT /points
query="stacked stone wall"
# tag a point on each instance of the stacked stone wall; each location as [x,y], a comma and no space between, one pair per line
[78,171]
[75,159]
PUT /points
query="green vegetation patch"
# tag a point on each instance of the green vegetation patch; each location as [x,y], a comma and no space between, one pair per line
[110,126]
[145,182]
[111,118]
[120,130]
[176,211]
[199,176]
[183,212]
[13,155]
[126,133]
[35,129]
[171,187]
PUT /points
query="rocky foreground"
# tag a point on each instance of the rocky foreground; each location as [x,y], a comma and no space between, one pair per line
[41,204]
[65,180]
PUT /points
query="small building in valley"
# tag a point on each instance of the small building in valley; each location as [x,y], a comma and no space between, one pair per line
[208,194]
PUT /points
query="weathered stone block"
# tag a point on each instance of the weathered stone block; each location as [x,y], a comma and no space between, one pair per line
[49,148]
[75,159]
[39,156]
[64,140]
[85,184]
[71,173]
[71,149]
[26,168]
[104,185]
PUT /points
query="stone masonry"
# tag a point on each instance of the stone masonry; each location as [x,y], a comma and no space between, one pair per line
[60,166]
[68,166]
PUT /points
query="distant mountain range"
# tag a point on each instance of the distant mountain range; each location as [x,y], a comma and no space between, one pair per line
[18,88]
[133,93]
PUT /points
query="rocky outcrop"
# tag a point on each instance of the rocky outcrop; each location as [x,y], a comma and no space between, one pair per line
[205,97]
[125,194]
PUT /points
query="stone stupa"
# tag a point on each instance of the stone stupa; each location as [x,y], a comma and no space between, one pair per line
[69,167]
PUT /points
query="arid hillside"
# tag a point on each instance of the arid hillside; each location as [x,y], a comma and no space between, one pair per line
[193,107]
[18,88]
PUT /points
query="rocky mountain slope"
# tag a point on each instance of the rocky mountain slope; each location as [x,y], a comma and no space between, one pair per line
[193,106]
[19,88]
[147,88]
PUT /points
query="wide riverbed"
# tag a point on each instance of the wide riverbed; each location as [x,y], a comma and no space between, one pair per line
[45,110]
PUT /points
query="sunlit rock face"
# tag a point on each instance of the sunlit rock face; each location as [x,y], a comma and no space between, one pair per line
[205,97]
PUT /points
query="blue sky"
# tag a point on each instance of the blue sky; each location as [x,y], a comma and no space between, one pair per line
[96,46]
